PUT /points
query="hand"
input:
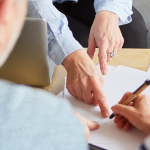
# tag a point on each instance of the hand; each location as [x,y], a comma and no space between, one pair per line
[84,80]
[88,125]
[105,33]
[136,114]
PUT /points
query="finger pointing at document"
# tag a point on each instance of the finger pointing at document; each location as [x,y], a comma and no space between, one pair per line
[105,33]
[84,80]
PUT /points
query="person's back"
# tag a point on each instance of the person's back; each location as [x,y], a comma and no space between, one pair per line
[31,118]
[34,119]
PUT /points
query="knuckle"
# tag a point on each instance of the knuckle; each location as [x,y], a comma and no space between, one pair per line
[145,97]
[118,42]
[89,102]
[113,40]
[122,40]
[141,114]
[103,39]
[96,80]
[102,58]
[84,85]
[101,80]
[93,80]
[100,100]
[131,111]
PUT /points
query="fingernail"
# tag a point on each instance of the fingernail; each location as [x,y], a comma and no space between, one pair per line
[96,104]
[113,107]
[105,114]
[97,124]
[105,72]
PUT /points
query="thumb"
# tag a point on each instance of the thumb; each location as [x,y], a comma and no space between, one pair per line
[126,111]
[91,46]
[92,125]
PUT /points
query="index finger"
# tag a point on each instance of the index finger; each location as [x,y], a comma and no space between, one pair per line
[125,96]
[101,100]
[103,58]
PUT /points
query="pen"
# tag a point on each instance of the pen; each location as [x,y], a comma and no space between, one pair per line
[134,95]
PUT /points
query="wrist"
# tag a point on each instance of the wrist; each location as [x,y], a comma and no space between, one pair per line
[74,58]
[107,14]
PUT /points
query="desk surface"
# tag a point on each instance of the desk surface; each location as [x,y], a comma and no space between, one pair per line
[135,58]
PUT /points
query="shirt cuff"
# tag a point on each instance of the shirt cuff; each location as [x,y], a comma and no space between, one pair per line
[61,46]
[124,13]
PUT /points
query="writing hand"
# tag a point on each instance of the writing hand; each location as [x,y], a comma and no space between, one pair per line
[137,114]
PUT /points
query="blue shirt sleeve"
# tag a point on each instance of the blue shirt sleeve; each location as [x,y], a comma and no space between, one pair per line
[33,119]
[123,8]
[61,42]
[60,39]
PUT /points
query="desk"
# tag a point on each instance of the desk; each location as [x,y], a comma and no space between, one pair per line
[135,58]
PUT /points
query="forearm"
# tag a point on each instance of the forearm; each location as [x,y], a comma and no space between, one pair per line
[62,46]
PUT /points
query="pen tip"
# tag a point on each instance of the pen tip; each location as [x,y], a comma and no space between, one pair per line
[111,116]
[147,82]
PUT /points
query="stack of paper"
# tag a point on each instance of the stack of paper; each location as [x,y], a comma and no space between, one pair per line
[119,81]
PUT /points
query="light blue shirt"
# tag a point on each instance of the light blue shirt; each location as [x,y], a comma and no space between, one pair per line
[32,119]
[60,39]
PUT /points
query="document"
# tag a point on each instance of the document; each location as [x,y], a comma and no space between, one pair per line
[109,68]
[119,81]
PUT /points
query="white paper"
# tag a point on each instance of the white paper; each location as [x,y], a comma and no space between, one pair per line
[109,68]
[61,94]
[117,83]
[148,69]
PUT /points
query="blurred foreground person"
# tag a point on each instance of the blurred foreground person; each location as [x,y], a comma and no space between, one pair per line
[32,118]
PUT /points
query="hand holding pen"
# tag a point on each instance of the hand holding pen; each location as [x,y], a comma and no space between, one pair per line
[137,113]
[134,95]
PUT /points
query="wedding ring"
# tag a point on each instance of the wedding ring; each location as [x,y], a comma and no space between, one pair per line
[111,54]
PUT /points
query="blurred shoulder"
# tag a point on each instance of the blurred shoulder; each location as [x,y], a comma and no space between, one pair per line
[35,119]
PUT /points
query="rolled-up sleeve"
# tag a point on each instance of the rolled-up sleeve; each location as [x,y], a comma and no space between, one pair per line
[123,8]
[60,39]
